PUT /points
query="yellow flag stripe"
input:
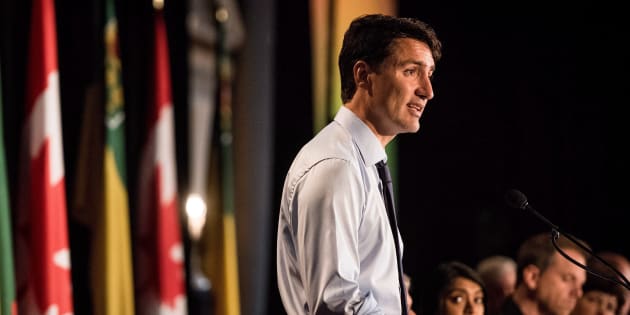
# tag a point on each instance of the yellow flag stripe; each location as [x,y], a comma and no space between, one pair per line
[230,264]
[119,284]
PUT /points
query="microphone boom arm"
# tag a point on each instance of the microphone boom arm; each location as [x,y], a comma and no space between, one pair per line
[518,200]
[555,233]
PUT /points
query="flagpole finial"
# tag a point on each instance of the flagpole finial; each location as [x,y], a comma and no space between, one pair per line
[158,4]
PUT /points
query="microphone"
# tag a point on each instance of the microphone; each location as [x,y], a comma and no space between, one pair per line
[518,200]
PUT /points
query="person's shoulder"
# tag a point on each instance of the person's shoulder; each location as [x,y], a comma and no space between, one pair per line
[316,172]
[331,152]
[333,141]
[509,307]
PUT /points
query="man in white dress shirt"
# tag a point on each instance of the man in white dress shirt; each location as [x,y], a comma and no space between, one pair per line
[335,250]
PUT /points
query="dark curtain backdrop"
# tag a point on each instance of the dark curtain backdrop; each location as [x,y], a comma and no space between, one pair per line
[528,96]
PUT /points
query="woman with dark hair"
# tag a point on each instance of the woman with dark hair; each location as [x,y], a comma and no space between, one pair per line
[453,288]
[600,297]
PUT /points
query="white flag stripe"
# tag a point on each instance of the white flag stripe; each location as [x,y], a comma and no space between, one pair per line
[44,124]
[165,154]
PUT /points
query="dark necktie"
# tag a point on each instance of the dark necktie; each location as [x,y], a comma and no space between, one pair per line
[388,197]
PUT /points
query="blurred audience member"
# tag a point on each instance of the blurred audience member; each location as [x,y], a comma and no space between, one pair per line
[621,263]
[407,282]
[453,288]
[547,283]
[601,297]
[499,275]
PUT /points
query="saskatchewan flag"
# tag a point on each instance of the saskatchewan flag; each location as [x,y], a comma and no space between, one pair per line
[112,276]
[230,301]
[7,277]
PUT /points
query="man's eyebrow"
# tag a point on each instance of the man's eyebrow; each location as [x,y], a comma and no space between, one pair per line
[417,63]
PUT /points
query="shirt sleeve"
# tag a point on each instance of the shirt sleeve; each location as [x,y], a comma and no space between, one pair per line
[330,206]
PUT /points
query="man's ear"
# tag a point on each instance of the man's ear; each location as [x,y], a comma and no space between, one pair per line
[531,276]
[361,71]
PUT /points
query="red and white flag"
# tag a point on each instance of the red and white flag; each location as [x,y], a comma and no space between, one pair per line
[43,255]
[160,272]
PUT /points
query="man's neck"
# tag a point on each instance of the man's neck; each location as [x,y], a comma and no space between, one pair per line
[355,106]
[526,301]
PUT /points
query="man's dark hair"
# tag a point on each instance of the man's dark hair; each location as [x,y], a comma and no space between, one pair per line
[538,250]
[369,38]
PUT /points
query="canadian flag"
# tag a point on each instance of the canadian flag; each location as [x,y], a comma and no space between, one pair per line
[160,281]
[43,255]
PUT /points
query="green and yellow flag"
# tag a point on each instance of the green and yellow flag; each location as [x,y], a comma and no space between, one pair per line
[229,303]
[8,303]
[101,200]
[113,292]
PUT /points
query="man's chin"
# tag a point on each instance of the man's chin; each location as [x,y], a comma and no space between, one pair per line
[566,310]
[411,127]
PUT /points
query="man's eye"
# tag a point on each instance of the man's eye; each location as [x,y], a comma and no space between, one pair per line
[409,72]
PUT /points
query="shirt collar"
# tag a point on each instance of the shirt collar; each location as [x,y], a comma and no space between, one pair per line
[371,149]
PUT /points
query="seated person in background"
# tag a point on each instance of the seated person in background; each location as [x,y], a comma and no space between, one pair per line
[600,297]
[499,275]
[621,263]
[547,283]
[453,288]
[407,282]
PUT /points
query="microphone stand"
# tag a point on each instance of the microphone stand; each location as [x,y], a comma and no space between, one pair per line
[555,234]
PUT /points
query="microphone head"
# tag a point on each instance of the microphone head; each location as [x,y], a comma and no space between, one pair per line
[516,199]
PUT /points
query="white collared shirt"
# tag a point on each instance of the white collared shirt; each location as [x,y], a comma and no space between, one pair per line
[335,248]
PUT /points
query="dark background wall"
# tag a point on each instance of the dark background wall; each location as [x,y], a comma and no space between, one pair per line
[528,96]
